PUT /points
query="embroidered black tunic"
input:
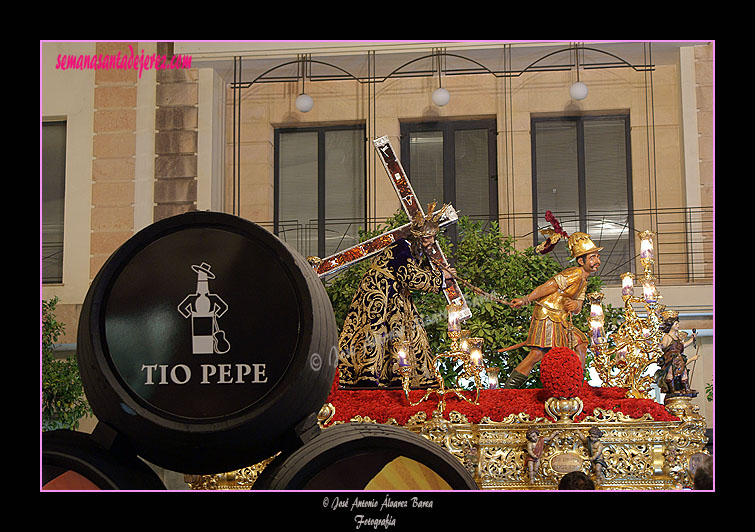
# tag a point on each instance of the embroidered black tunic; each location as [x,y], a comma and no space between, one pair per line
[381,314]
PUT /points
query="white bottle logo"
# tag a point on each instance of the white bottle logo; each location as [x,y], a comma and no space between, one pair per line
[204,308]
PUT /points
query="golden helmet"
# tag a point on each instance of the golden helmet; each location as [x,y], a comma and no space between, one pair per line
[581,244]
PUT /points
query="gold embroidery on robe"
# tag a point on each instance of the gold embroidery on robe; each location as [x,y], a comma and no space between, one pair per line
[381,313]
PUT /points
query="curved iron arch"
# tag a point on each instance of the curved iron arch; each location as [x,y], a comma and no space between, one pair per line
[622,60]
[511,73]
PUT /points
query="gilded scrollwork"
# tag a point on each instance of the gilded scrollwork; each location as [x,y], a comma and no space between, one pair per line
[638,454]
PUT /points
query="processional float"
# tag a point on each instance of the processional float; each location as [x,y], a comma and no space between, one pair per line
[185,369]
[633,452]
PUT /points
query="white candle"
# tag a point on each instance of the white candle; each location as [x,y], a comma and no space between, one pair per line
[453,318]
[627,284]
[646,245]
[648,291]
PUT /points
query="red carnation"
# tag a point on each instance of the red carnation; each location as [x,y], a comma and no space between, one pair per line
[561,373]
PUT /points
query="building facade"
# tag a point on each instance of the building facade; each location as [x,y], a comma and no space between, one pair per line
[134,132]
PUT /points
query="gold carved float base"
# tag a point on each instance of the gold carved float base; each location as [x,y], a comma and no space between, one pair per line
[639,454]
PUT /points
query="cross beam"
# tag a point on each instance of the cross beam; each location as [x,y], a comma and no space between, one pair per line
[409,202]
[412,207]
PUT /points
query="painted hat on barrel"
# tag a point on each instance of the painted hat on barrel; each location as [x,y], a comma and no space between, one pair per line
[205,269]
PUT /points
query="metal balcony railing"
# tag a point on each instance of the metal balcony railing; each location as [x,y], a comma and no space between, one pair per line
[684,239]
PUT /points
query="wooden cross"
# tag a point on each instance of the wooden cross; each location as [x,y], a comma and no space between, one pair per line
[335,263]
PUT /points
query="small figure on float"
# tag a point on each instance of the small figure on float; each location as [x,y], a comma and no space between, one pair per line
[672,376]
[535,447]
[555,301]
[382,314]
[595,452]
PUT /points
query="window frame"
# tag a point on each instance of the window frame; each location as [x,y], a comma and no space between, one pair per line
[581,178]
[62,122]
[321,177]
[448,128]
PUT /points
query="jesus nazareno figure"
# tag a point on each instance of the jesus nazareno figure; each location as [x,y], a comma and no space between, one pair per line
[383,315]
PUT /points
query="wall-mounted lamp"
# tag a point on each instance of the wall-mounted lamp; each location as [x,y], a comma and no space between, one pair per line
[578,90]
[304,102]
[440,95]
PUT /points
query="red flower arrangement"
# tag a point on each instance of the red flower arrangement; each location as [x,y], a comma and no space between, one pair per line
[383,405]
[561,373]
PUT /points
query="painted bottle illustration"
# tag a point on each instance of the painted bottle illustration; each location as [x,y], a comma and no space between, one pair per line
[204,308]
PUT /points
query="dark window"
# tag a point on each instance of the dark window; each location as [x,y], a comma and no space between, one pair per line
[453,162]
[582,174]
[53,199]
[320,188]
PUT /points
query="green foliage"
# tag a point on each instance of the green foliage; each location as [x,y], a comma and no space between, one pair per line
[63,400]
[709,392]
[488,260]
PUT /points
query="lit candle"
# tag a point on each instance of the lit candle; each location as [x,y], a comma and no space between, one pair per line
[475,350]
[646,245]
[402,352]
[627,284]
[464,341]
[648,290]
[454,325]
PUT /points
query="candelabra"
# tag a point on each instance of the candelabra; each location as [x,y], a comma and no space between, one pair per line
[466,349]
[621,359]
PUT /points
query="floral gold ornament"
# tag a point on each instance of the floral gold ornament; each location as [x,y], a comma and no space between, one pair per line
[465,349]
[623,358]
[644,445]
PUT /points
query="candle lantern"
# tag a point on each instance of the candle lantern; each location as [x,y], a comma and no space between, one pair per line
[464,341]
[493,383]
[596,305]
[646,245]
[621,354]
[454,315]
[648,289]
[627,284]
[402,352]
[475,350]
[596,316]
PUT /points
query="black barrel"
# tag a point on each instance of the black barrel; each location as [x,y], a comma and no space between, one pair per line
[367,456]
[77,461]
[206,342]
